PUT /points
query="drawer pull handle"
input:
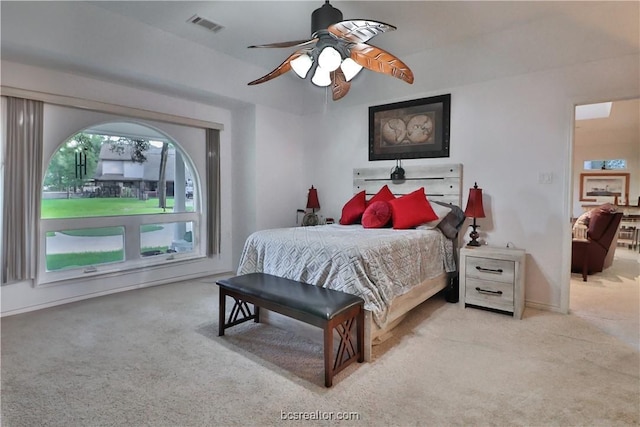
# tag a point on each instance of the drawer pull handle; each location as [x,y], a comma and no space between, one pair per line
[488,291]
[489,270]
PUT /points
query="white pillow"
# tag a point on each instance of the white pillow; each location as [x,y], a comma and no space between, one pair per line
[439,210]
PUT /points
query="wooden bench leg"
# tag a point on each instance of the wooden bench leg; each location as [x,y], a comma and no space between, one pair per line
[240,312]
[360,338]
[346,352]
[222,309]
[328,355]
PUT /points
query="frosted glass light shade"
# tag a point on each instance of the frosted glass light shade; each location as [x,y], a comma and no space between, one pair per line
[350,68]
[301,65]
[329,59]
[321,77]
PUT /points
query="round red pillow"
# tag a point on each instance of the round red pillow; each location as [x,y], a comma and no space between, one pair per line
[377,215]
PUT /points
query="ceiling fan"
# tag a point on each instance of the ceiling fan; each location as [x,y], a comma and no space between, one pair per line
[337,51]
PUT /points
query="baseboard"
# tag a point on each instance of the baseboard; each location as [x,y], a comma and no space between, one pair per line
[109,292]
[543,306]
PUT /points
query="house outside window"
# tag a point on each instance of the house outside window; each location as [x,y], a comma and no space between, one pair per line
[113,201]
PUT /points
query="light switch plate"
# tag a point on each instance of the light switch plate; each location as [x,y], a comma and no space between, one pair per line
[545,177]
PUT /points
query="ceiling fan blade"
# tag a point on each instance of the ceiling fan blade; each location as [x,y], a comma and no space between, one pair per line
[339,86]
[280,69]
[294,43]
[359,30]
[375,59]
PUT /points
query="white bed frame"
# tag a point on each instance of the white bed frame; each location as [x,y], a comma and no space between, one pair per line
[442,183]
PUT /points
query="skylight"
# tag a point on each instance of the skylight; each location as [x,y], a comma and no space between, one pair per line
[593,111]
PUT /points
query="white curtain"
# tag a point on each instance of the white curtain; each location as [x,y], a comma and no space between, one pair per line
[213,188]
[22,189]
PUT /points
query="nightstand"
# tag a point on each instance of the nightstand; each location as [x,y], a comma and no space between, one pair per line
[493,278]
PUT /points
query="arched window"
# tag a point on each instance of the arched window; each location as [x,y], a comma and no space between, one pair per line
[116,196]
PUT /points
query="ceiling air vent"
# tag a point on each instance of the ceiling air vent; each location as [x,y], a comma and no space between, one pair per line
[205,23]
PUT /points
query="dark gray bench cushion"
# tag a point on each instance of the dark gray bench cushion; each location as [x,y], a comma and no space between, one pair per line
[313,300]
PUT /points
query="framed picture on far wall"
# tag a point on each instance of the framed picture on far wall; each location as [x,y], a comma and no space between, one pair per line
[410,129]
[597,185]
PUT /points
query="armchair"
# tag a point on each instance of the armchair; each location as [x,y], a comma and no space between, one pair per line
[594,252]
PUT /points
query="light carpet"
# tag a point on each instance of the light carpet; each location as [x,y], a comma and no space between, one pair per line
[152,357]
[610,300]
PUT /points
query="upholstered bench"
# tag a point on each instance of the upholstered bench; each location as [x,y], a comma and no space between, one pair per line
[325,308]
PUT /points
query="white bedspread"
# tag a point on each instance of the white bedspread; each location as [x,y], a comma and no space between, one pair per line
[375,264]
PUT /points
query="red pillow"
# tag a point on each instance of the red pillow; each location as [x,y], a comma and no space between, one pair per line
[411,210]
[383,195]
[353,209]
[377,215]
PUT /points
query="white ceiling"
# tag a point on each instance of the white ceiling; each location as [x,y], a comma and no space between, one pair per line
[624,117]
[446,43]
[421,25]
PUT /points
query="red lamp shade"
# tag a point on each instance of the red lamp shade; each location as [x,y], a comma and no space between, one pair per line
[474,203]
[312,199]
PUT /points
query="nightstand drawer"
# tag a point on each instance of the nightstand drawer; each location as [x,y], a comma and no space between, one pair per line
[490,294]
[493,278]
[495,270]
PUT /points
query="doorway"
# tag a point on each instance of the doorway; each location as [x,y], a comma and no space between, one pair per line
[606,143]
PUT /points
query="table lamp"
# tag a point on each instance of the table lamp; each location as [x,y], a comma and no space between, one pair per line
[312,203]
[474,210]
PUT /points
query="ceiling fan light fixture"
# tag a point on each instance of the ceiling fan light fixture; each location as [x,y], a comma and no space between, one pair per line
[301,65]
[321,77]
[350,68]
[324,16]
[329,59]
[332,40]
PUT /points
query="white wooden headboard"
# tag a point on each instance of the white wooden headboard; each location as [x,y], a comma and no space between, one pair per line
[442,183]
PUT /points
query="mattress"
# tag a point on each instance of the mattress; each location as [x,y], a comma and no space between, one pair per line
[376,264]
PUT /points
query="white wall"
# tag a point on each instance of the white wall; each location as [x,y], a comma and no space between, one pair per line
[244,178]
[281,179]
[269,173]
[505,132]
[3,121]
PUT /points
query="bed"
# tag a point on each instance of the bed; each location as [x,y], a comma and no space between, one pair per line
[392,270]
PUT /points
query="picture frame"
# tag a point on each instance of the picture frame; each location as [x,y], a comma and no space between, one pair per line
[594,185]
[413,129]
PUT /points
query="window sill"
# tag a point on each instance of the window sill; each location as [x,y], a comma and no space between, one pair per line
[117,269]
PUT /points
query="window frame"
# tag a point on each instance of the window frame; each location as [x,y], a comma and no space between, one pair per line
[76,113]
[604,161]
[133,260]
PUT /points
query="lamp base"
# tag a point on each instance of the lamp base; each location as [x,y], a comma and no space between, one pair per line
[474,235]
[310,219]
